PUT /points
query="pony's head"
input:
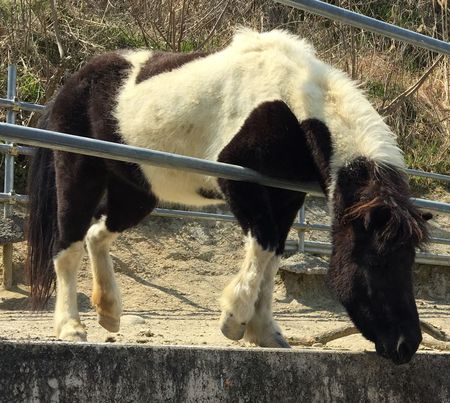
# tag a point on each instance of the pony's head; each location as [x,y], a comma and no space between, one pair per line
[375,232]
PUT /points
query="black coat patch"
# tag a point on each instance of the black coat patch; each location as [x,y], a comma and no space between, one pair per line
[162,62]
[274,143]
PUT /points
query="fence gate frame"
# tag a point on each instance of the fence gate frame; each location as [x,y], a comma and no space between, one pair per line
[13,134]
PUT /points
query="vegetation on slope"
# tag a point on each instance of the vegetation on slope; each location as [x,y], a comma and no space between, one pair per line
[409,86]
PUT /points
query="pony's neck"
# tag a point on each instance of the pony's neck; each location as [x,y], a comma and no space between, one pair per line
[357,130]
[318,139]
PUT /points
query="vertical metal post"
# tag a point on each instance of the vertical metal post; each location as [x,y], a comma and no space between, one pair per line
[10,118]
[301,232]
[9,180]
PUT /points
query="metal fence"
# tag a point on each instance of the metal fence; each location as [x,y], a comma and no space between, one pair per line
[59,141]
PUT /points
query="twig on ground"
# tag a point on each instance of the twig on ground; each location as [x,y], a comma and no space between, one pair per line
[434,331]
[325,337]
[441,343]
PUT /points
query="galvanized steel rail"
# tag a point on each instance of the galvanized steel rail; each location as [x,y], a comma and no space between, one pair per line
[104,149]
[122,152]
[64,142]
[370,24]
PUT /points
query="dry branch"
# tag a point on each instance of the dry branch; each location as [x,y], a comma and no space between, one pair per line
[434,331]
[442,341]
[411,90]
[211,33]
[325,337]
[53,6]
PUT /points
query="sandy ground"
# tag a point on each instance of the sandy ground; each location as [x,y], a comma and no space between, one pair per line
[172,272]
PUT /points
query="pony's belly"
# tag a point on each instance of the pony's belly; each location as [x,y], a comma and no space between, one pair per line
[180,187]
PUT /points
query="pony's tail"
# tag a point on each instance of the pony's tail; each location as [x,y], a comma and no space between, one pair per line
[41,227]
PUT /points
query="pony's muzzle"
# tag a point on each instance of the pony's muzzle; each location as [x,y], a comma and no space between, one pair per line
[401,351]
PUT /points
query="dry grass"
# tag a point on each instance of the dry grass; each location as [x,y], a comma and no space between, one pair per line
[48,46]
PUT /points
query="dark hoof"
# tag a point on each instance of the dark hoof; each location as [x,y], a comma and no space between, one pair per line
[109,323]
[281,341]
[275,341]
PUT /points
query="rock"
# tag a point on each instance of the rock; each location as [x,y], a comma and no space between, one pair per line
[132,320]
[146,333]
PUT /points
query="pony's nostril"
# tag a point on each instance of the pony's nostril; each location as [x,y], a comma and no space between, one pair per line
[404,350]
[400,341]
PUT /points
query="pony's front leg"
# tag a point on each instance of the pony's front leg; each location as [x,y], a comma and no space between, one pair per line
[105,293]
[262,329]
[67,320]
[239,297]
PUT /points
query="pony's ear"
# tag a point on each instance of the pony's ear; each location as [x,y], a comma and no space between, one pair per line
[377,217]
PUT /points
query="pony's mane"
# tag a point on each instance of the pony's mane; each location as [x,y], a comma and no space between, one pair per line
[248,40]
[357,127]
[384,207]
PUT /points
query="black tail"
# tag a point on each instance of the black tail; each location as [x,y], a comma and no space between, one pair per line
[41,228]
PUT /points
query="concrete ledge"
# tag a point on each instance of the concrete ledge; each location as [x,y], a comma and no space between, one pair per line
[60,372]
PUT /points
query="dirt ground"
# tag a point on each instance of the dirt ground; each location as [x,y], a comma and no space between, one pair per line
[171,273]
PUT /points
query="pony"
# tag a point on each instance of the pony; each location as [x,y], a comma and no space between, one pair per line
[265,102]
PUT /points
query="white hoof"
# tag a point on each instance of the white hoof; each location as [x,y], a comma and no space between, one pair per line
[231,327]
[72,330]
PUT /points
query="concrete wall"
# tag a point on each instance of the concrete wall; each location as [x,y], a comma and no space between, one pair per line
[58,372]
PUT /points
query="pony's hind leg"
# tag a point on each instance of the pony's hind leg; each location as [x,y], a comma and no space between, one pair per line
[105,292]
[127,205]
[67,319]
[80,184]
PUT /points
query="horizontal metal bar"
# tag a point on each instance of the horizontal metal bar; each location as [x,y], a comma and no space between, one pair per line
[13,198]
[443,241]
[368,23]
[40,108]
[161,212]
[201,215]
[19,105]
[431,175]
[171,213]
[323,248]
[23,150]
[13,149]
[431,205]
[311,247]
[122,152]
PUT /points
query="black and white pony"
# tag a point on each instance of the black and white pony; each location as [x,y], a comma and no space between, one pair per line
[265,102]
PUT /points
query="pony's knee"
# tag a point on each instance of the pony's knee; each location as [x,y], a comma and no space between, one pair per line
[68,259]
[99,236]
